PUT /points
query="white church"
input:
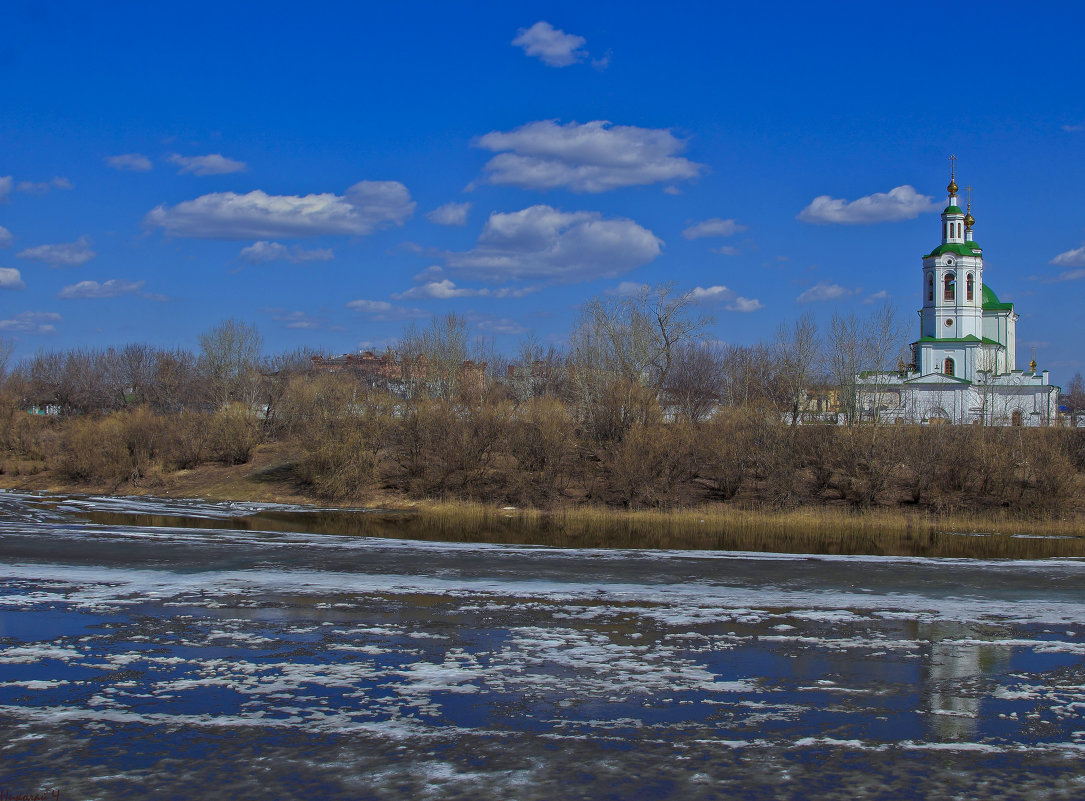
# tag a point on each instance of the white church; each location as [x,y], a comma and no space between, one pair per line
[964,364]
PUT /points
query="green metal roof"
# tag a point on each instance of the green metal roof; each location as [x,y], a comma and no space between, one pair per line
[953,210]
[966,249]
[991,301]
[969,338]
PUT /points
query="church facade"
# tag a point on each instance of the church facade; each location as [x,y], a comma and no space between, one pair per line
[964,363]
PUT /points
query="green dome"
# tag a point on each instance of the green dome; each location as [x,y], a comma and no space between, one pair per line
[952,210]
[991,301]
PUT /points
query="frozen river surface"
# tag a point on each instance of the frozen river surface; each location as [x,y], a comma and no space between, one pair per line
[199,662]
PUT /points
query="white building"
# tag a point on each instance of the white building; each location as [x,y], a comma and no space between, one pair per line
[964,364]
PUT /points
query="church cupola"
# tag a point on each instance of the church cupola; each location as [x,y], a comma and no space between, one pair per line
[953,219]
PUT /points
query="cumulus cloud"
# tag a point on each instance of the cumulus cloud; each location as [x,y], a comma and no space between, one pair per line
[130,162]
[5,237]
[382,310]
[1071,258]
[553,46]
[5,187]
[41,187]
[263,252]
[627,289]
[823,290]
[11,278]
[431,273]
[901,203]
[541,242]
[366,207]
[726,250]
[112,288]
[874,297]
[713,227]
[31,323]
[445,289]
[211,164]
[721,294]
[68,254]
[450,214]
[589,157]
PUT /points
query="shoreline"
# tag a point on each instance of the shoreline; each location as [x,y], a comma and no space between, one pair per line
[813,530]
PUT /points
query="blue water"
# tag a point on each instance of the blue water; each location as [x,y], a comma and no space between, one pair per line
[215,664]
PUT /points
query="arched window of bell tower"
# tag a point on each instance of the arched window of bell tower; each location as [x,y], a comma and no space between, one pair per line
[950,287]
[968,287]
[958,230]
[930,288]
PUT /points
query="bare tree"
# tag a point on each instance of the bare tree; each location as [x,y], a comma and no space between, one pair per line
[695,382]
[798,355]
[1075,398]
[229,358]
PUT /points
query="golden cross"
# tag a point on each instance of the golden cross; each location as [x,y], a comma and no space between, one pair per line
[952,166]
[969,189]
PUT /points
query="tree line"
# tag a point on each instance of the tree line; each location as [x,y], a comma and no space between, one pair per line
[638,410]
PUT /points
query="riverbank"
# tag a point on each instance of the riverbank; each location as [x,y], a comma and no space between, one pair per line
[823,529]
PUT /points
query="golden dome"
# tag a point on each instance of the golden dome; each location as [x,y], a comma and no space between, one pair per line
[1032,366]
[969,220]
[952,188]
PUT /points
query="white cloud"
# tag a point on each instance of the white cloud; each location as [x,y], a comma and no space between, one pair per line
[590,157]
[263,252]
[11,278]
[1073,128]
[31,323]
[112,288]
[445,289]
[41,187]
[450,214]
[431,273]
[541,242]
[299,320]
[713,227]
[130,162]
[721,294]
[552,46]
[628,289]
[382,310]
[5,237]
[211,164]
[1071,258]
[1067,275]
[876,296]
[5,187]
[366,207]
[504,325]
[68,254]
[901,203]
[726,250]
[823,290]
[741,304]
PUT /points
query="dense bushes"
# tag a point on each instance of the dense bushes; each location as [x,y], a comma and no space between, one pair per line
[342,439]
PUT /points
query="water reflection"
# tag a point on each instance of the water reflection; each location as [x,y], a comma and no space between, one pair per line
[957,678]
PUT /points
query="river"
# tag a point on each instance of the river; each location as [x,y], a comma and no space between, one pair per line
[197,661]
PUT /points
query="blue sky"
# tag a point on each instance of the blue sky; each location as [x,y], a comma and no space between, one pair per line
[331,172]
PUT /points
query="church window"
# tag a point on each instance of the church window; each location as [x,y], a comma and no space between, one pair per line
[948,367]
[1015,418]
[950,287]
[968,290]
[930,287]
[958,230]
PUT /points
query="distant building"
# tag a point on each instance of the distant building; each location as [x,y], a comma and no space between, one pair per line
[964,364]
[386,369]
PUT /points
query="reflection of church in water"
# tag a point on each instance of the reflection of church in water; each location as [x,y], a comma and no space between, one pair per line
[964,363]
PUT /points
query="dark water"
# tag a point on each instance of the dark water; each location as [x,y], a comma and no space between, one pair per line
[215,662]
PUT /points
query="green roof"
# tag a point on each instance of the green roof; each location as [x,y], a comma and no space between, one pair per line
[952,210]
[991,301]
[969,338]
[966,249]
